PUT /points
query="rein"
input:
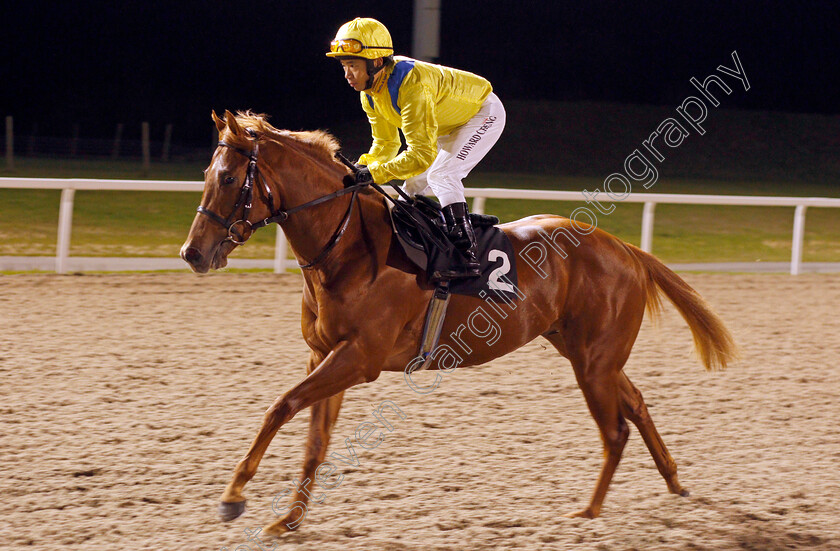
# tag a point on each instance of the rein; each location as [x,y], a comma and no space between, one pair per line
[277,215]
[397,204]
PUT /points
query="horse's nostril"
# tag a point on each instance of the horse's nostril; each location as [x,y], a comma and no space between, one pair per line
[191,255]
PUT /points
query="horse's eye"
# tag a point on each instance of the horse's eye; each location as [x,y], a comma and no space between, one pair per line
[229,180]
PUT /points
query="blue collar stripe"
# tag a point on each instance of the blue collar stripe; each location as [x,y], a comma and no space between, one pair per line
[401,69]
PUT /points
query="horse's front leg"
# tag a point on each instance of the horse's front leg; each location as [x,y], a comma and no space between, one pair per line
[343,367]
[321,422]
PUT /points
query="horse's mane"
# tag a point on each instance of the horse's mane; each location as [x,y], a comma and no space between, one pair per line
[320,142]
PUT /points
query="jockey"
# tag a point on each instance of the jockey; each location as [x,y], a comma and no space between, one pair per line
[450,120]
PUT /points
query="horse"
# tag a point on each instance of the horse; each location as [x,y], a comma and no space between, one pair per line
[587,296]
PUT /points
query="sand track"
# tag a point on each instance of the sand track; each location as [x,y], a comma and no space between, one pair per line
[126,400]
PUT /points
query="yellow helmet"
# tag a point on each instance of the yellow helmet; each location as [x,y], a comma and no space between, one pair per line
[362,37]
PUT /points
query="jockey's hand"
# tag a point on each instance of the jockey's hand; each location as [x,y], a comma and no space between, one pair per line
[363,176]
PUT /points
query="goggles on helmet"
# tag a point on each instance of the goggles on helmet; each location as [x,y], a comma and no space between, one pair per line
[352,46]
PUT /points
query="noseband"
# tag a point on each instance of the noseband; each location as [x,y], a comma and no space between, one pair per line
[278,216]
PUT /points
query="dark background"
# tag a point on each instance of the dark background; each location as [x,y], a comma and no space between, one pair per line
[96,64]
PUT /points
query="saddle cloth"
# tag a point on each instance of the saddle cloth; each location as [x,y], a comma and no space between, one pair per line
[420,235]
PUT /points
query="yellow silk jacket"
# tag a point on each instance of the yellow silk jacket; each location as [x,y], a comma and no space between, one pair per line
[423,100]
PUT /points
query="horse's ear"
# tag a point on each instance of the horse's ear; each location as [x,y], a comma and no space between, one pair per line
[233,126]
[220,124]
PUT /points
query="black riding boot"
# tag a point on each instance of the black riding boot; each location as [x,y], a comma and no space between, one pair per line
[462,236]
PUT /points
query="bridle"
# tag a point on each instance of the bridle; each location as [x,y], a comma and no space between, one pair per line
[278,215]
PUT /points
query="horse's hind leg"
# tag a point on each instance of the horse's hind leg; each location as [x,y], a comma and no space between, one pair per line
[633,407]
[597,369]
[600,388]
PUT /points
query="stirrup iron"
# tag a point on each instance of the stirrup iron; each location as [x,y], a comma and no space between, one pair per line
[435,316]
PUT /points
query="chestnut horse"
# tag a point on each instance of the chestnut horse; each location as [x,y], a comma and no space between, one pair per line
[586,294]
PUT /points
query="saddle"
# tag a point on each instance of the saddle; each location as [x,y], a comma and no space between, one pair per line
[420,228]
[420,232]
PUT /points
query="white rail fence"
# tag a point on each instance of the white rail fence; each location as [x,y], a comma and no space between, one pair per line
[280,263]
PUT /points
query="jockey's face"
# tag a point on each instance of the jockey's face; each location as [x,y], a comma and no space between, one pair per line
[355,72]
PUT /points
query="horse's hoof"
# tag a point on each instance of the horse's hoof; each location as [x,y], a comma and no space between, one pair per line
[585,513]
[676,488]
[276,529]
[232,510]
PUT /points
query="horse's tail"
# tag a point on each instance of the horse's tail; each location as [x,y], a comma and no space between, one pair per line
[712,340]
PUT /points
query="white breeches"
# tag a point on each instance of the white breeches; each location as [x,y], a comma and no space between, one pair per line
[459,152]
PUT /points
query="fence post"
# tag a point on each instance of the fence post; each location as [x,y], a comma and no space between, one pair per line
[280,248]
[167,142]
[65,223]
[798,238]
[647,227]
[146,151]
[117,139]
[478,205]
[10,143]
